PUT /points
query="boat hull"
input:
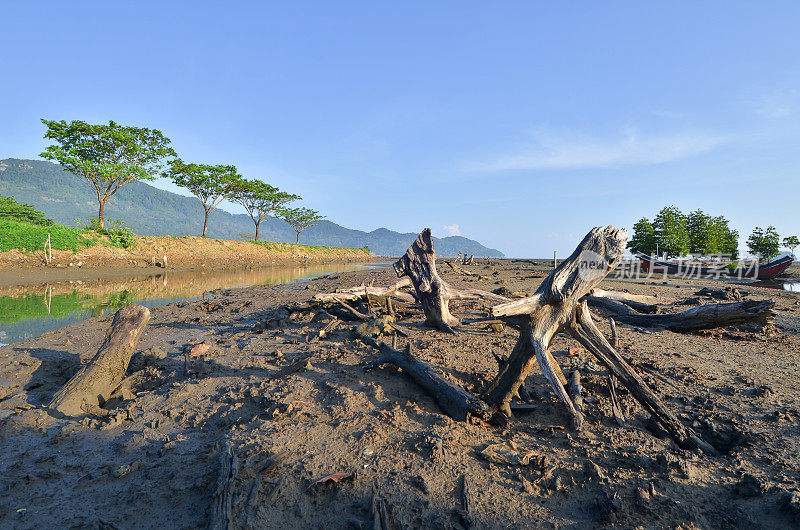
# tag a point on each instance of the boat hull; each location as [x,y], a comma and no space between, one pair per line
[767,271]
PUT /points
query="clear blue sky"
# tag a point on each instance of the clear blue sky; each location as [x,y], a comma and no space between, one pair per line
[519,124]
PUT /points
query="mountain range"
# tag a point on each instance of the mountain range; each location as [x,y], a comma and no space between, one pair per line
[148,210]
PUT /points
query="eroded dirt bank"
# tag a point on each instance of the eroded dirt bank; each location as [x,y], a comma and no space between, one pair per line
[153,461]
[152,254]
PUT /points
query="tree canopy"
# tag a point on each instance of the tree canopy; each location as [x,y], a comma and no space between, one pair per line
[676,234]
[300,218]
[107,156]
[211,184]
[764,243]
[644,237]
[671,232]
[791,242]
[260,199]
[25,213]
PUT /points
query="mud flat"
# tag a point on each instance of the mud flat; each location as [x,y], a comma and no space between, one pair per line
[276,408]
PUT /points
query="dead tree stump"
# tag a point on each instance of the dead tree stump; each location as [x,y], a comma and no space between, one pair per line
[95,381]
[419,264]
[556,307]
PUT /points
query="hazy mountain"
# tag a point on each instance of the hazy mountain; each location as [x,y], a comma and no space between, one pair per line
[151,211]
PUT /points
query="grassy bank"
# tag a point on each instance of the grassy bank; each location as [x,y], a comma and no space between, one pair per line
[27,237]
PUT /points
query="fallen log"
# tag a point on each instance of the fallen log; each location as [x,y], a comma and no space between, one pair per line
[557,307]
[454,400]
[697,318]
[96,381]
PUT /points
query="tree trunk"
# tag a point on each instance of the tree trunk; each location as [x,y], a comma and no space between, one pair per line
[95,381]
[297,241]
[101,214]
[205,223]
[258,223]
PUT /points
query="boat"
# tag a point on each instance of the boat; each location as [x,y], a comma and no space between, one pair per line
[754,271]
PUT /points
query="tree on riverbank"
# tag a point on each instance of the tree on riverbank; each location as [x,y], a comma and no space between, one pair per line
[791,242]
[676,234]
[107,156]
[644,237]
[260,199]
[300,218]
[671,232]
[764,243]
[210,184]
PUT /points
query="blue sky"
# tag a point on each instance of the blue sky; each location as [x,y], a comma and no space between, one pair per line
[519,124]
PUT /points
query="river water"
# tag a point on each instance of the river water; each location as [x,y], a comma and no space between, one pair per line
[27,311]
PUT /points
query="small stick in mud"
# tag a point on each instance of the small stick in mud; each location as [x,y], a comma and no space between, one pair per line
[466,503]
[96,381]
[613,326]
[221,518]
[615,408]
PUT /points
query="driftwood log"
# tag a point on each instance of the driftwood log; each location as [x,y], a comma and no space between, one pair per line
[419,265]
[95,381]
[700,317]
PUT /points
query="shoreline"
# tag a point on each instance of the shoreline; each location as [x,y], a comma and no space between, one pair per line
[154,255]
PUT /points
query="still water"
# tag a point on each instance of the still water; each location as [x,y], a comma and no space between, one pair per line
[27,311]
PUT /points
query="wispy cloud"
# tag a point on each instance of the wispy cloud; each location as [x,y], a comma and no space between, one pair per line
[548,149]
[452,230]
[778,103]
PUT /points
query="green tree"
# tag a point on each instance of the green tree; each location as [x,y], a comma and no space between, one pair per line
[720,239]
[300,218]
[672,236]
[210,184]
[24,213]
[730,243]
[698,226]
[107,156]
[260,199]
[791,242]
[644,237]
[763,243]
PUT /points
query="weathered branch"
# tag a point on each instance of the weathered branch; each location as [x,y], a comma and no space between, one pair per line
[454,400]
[355,293]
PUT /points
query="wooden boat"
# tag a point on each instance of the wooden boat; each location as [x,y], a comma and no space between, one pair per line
[766,271]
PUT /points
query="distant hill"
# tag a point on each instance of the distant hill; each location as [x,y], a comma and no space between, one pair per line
[147,210]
